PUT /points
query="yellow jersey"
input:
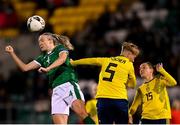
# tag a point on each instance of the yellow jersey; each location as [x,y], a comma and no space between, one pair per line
[117,73]
[153,97]
[92,110]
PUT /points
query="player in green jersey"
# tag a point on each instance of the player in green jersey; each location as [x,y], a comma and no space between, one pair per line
[55,61]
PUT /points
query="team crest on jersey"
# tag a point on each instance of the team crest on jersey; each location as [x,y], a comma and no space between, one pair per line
[48,60]
[147,88]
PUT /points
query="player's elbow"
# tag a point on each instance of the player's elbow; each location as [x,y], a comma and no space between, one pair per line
[24,69]
[171,84]
[132,84]
[174,83]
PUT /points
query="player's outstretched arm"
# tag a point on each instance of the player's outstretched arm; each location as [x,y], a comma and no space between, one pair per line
[170,81]
[24,67]
[88,61]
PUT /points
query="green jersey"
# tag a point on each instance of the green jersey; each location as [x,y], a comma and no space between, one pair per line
[61,74]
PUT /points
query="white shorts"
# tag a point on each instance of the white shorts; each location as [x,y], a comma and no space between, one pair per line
[63,96]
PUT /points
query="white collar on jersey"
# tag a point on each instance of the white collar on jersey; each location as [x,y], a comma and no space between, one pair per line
[49,52]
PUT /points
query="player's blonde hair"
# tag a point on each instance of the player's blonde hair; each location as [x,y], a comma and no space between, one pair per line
[130,47]
[64,40]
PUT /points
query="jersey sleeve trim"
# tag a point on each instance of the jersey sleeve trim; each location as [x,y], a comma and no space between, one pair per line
[64,51]
[37,62]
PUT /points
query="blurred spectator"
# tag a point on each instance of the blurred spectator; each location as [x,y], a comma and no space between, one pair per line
[8,16]
[175,112]
[3,90]
[40,89]
[3,20]
[16,83]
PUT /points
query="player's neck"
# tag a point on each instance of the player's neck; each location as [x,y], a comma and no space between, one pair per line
[149,78]
[50,49]
[125,54]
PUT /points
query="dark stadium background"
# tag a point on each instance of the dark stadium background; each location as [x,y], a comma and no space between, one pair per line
[97,28]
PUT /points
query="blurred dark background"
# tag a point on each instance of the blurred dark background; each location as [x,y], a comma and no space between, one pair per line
[96,28]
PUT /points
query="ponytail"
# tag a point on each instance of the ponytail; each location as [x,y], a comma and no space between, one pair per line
[64,40]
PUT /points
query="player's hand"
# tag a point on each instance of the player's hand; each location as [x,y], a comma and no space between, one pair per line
[130,121]
[71,60]
[159,66]
[43,70]
[9,49]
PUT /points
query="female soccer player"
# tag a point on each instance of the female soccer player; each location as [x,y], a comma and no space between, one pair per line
[91,104]
[117,73]
[152,95]
[55,61]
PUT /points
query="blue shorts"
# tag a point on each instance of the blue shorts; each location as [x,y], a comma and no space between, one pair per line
[158,121]
[112,111]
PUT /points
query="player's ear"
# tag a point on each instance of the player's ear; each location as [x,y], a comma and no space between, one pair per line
[51,41]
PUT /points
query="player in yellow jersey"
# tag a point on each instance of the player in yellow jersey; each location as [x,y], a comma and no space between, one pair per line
[117,73]
[152,95]
[91,104]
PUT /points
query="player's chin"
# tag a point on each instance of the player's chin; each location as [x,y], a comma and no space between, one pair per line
[131,60]
[142,75]
[43,49]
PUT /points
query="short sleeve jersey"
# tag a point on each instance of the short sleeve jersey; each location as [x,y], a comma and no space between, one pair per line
[61,74]
[114,76]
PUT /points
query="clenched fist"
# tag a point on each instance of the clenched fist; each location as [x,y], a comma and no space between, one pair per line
[9,49]
[159,66]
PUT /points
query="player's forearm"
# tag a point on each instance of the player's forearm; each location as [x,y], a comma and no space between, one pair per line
[18,62]
[57,63]
[170,79]
[61,59]
[87,61]
[133,107]
[136,102]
